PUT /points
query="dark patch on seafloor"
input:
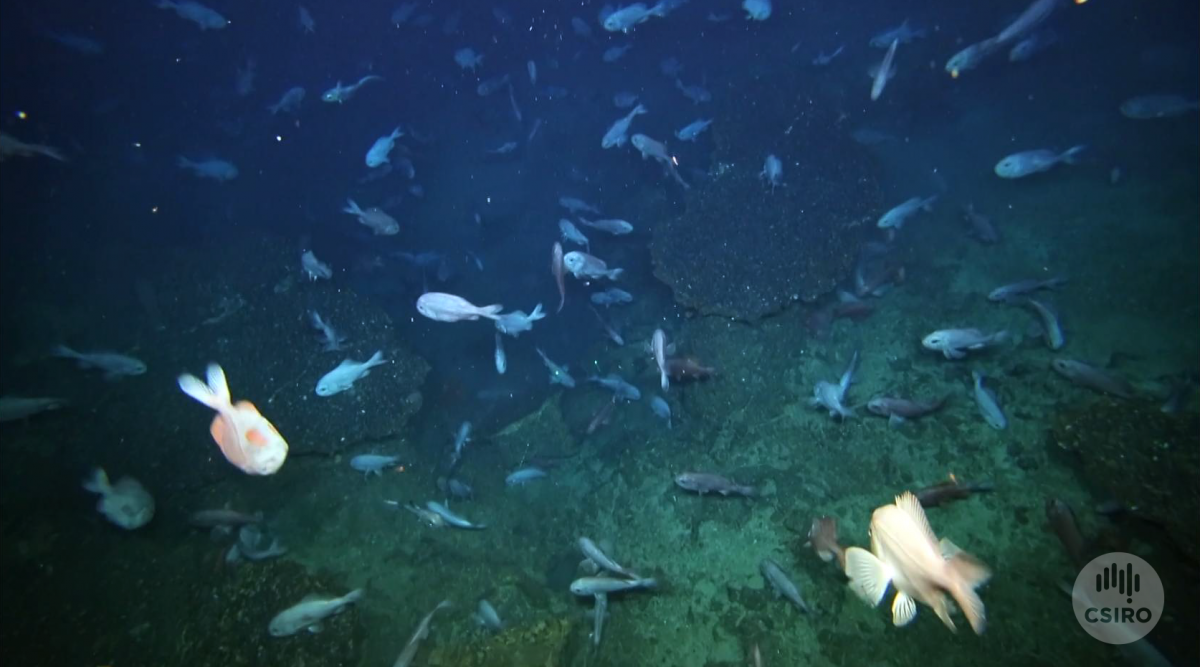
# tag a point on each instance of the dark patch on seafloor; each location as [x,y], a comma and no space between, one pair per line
[744,250]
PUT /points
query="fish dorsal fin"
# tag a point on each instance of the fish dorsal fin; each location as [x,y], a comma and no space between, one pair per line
[247,406]
[909,504]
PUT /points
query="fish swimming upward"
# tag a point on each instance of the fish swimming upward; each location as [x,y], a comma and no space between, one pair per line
[245,437]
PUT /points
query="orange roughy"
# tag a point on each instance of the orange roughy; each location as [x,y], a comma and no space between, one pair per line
[245,437]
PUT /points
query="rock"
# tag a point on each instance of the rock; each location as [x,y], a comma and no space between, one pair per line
[743,250]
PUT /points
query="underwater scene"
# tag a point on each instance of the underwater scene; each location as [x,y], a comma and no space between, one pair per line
[540,333]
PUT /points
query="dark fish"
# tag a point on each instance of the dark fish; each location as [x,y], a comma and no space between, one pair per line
[783,584]
[1062,521]
[1094,378]
[1022,287]
[703,482]
[951,489]
[899,409]
[823,538]
[982,228]
[688,368]
[1052,331]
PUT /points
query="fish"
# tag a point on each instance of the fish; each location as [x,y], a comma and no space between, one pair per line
[598,613]
[1025,163]
[374,218]
[490,86]
[443,307]
[424,515]
[906,553]
[602,417]
[884,72]
[695,92]
[467,58]
[951,489]
[692,130]
[451,518]
[373,464]
[970,57]
[114,365]
[126,503]
[661,409]
[704,482]
[658,345]
[897,410]
[558,374]
[571,233]
[516,322]
[614,227]
[1037,12]
[377,156]
[1151,107]
[245,437]
[309,612]
[531,69]
[524,476]
[954,343]
[832,396]
[981,226]
[577,206]
[486,616]
[625,18]
[253,544]
[403,12]
[13,408]
[558,269]
[503,149]
[618,386]
[597,556]
[1030,46]
[455,488]
[783,585]
[902,33]
[12,146]
[624,99]
[1061,518]
[1094,378]
[343,377]
[656,149]
[244,82]
[314,269]
[331,338]
[989,407]
[307,24]
[223,518]
[617,133]
[342,94]
[898,215]
[614,53]
[772,171]
[757,10]
[77,43]
[823,539]
[611,296]
[204,17]
[1052,331]
[583,266]
[589,586]
[1023,287]
[221,171]
[501,358]
[461,438]
[822,59]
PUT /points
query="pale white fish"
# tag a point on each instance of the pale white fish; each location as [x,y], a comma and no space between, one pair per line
[885,71]
[341,94]
[114,365]
[346,374]
[377,155]
[204,17]
[218,170]
[309,612]
[618,131]
[313,268]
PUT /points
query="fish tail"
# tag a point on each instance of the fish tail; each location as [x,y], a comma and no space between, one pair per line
[352,207]
[64,352]
[491,312]
[353,596]
[1072,154]
[537,313]
[968,574]
[376,359]
[615,274]
[97,482]
[215,394]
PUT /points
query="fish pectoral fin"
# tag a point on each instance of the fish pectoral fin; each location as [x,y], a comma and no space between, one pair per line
[869,576]
[315,628]
[255,437]
[904,609]
[949,549]
[895,421]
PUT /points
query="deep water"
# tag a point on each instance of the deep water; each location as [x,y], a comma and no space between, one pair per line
[107,244]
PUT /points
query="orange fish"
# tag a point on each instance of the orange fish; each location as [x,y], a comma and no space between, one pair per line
[245,437]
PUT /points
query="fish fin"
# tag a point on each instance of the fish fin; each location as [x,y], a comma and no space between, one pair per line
[615,274]
[909,504]
[97,482]
[247,406]
[315,628]
[949,549]
[353,596]
[952,353]
[904,609]
[491,312]
[869,576]
[195,387]
[217,383]
[376,360]
[895,421]
[1072,154]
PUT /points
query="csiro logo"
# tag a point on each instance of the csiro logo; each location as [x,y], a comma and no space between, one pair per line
[1118,598]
